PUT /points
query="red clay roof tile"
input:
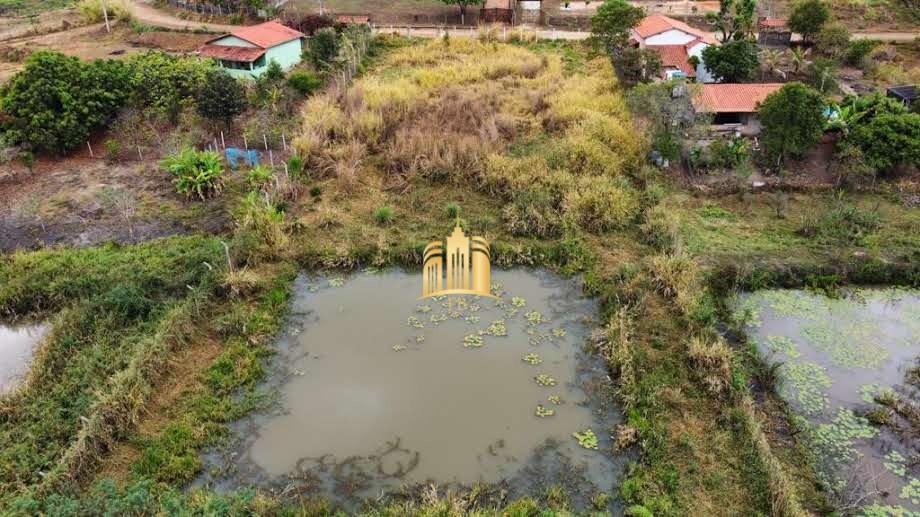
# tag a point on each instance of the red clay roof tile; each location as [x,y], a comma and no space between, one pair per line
[732,98]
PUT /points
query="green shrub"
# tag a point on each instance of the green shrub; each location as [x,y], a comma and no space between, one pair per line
[384,215]
[453,210]
[533,213]
[842,224]
[858,50]
[196,172]
[728,153]
[324,46]
[316,191]
[259,176]
[113,148]
[304,82]
[220,97]
[257,214]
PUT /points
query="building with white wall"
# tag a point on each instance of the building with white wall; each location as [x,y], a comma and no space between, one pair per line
[677,42]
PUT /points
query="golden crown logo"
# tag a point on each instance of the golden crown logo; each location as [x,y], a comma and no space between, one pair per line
[459,265]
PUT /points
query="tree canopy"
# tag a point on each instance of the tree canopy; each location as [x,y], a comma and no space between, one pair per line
[611,25]
[735,19]
[221,97]
[808,16]
[57,100]
[463,4]
[793,120]
[889,140]
[733,62]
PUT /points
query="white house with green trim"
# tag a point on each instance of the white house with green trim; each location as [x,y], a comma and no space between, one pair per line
[247,51]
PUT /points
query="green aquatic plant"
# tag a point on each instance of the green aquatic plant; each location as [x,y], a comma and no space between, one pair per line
[543,412]
[420,338]
[517,301]
[791,303]
[415,322]
[869,392]
[497,328]
[437,318]
[895,463]
[472,341]
[877,510]
[497,289]
[545,380]
[399,348]
[783,345]
[555,399]
[747,312]
[586,439]
[911,491]
[533,359]
[835,440]
[558,332]
[336,281]
[472,318]
[423,308]
[805,383]
[534,317]
[850,346]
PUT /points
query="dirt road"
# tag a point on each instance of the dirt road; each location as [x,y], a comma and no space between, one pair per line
[146,13]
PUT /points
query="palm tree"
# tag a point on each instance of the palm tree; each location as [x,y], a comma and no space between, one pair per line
[770,60]
[798,56]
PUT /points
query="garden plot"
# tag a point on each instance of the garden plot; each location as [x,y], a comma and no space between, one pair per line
[851,371]
[377,389]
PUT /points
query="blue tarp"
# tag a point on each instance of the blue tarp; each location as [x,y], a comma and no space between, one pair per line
[249,156]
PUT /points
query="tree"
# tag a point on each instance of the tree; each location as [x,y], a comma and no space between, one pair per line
[889,140]
[324,47]
[54,103]
[637,65]
[221,97]
[668,114]
[808,16]
[733,62]
[824,74]
[165,84]
[770,60]
[463,4]
[833,40]
[610,29]
[793,120]
[611,25]
[735,19]
[799,58]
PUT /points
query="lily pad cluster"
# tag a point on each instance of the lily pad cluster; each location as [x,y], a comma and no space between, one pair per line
[586,439]
[533,359]
[473,341]
[543,411]
[545,380]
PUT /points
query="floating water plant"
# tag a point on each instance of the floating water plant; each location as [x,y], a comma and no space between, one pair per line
[797,304]
[852,346]
[472,318]
[336,282]
[399,348]
[543,412]
[437,318]
[497,328]
[895,463]
[532,359]
[869,392]
[415,322]
[423,308]
[420,338]
[783,345]
[517,301]
[911,491]
[558,332]
[497,289]
[534,317]
[472,341]
[555,399]
[806,382]
[586,439]
[545,380]
[835,439]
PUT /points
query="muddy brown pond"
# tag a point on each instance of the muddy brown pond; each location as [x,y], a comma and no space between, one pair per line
[377,390]
[17,345]
[851,371]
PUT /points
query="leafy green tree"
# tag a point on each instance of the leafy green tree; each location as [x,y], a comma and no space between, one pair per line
[833,40]
[56,101]
[610,30]
[793,120]
[304,82]
[735,19]
[166,84]
[733,62]
[463,4]
[889,140]
[808,16]
[274,72]
[221,97]
[324,47]
[823,74]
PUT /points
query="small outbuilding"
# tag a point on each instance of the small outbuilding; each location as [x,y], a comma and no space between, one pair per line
[906,94]
[497,11]
[247,51]
[773,32]
[733,106]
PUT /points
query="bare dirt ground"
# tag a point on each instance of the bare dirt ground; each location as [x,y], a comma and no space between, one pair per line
[83,201]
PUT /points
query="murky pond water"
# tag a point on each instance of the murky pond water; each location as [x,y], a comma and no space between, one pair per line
[378,389]
[17,344]
[852,371]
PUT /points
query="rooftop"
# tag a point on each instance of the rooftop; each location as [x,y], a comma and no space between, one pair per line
[264,35]
[732,98]
[675,56]
[230,53]
[657,23]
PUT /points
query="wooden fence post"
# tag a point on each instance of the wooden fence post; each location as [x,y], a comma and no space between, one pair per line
[91,155]
[271,158]
[265,141]
[245,143]
[222,142]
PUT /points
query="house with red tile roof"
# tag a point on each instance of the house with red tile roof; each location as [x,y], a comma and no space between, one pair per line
[247,51]
[677,42]
[733,106]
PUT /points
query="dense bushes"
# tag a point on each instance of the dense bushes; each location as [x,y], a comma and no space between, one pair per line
[220,97]
[793,119]
[304,82]
[197,172]
[56,101]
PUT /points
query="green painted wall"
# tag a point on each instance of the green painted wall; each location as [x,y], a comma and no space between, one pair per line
[286,54]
